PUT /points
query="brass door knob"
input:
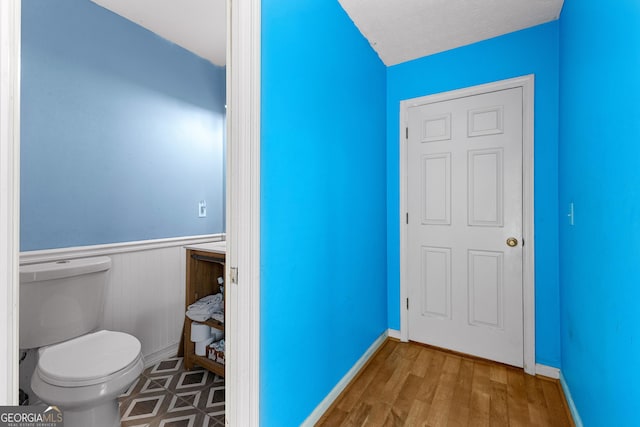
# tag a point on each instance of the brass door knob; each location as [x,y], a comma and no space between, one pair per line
[512,241]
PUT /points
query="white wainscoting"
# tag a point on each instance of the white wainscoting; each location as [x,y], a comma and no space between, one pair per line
[146,292]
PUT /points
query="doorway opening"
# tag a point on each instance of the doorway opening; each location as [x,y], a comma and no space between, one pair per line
[242,160]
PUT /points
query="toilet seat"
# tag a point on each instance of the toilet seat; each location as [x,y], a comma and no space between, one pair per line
[87,360]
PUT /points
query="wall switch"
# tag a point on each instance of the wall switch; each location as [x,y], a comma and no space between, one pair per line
[202,209]
[570,214]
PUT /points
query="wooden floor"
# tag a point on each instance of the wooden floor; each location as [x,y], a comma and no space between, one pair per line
[408,384]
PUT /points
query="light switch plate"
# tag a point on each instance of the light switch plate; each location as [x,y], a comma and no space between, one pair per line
[202,209]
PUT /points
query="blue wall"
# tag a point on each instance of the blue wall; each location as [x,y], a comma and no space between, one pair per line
[323,217]
[599,162]
[122,131]
[531,51]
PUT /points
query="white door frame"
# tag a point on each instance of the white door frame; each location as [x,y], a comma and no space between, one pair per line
[243,213]
[243,206]
[528,249]
[9,197]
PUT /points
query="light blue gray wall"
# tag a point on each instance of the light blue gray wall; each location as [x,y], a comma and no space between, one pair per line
[122,131]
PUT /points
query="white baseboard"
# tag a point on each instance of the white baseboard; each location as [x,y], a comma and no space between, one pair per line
[572,406]
[393,333]
[547,371]
[160,355]
[317,413]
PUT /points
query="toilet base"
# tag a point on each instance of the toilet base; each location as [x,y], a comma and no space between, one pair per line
[89,406]
[105,415]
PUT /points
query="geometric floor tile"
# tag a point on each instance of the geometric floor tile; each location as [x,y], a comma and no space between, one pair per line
[154,385]
[215,397]
[128,391]
[167,366]
[177,404]
[166,395]
[192,379]
[143,407]
[192,398]
[184,420]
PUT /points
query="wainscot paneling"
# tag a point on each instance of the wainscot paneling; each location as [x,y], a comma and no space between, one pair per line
[145,294]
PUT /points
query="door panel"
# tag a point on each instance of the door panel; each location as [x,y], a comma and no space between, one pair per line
[436,128]
[464,199]
[436,196]
[485,188]
[436,282]
[485,288]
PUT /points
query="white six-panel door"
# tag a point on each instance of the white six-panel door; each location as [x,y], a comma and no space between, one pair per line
[464,201]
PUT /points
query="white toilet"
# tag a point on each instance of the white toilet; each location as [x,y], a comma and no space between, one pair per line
[79,369]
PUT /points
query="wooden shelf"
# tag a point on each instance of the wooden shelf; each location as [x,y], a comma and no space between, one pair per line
[205,362]
[214,324]
[203,270]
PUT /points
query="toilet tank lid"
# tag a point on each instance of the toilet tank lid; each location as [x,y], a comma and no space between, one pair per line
[62,269]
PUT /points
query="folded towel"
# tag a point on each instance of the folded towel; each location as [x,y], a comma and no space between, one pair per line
[198,317]
[214,298]
[201,316]
[218,315]
[208,301]
[202,310]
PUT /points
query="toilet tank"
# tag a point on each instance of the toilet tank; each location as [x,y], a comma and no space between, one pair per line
[61,300]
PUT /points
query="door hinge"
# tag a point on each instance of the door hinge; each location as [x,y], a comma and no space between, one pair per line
[233,271]
[406,132]
[407,217]
[407,303]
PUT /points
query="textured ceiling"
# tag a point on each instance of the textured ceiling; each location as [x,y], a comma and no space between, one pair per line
[197,25]
[402,30]
[399,30]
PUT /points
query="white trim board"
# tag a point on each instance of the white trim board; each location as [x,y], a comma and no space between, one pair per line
[9,197]
[160,355]
[547,371]
[528,250]
[48,255]
[317,413]
[243,214]
[394,333]
[572,406]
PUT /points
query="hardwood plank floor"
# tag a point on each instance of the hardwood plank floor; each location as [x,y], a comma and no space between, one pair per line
[409,384]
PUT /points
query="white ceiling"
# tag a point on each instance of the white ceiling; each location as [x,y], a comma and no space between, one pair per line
[402,30]
[199,26]
[398,30]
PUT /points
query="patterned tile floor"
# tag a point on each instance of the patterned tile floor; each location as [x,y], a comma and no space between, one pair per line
[166,395]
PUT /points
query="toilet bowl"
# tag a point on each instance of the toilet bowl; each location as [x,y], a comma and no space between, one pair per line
[78,369]
[85,375]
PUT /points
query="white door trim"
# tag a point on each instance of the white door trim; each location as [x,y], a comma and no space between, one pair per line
[243,213]
[9,197]
[528,267]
